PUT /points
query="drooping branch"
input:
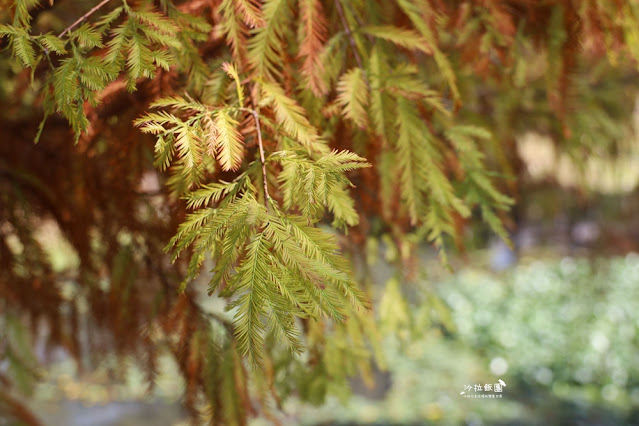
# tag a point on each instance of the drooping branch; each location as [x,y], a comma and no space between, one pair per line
[359,20]
[349,34]
[17,409]
[351,39]
[83,17]
[256,117]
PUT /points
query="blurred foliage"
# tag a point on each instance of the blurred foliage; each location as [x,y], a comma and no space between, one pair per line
[562,334]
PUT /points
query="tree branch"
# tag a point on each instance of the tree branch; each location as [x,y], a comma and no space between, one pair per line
[83,17]
[261,146]
[359,21]
[17,410]
[347,28]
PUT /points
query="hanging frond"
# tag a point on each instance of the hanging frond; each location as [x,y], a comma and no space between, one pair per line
[313,32]
[188,147]
[231,244]
[381,103]
[251,279]
[251,12]
[105,21]
[54,44]
[215,192]
[133,45]
[332,56]
[87,36]
[23,49]
[427,192]
[322,247]
[411,151]
[21,15]
[76,81]
[178,102]
[417,11]
[229,145]
[406,82]
[480,188]
[232,25]
[20,40]
[164,150]
[341,161]
[155,24]
[266,45]
[408,39]
[187,231]
[291,117]
[308,185]
[352,95]
[342,206]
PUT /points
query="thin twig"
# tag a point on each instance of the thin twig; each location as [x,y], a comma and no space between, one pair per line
[46,53]
[340,12]
[262,160]
[359,21]
[83,17]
